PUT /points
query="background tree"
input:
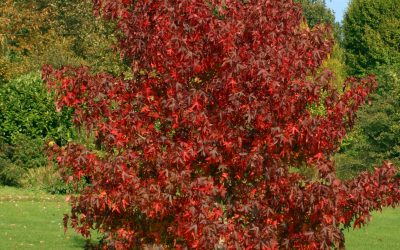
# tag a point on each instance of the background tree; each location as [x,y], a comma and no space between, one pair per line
[376,135]
[371,35]
[199,145]
[372,47]
[22,25]
[316,12]
[33,33]
[90,38]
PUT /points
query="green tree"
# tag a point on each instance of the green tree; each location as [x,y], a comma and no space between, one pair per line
[316,11]
[371,31]
[376,136]
[372,46]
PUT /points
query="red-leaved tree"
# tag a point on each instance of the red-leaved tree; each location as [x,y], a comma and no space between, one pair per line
[200,148]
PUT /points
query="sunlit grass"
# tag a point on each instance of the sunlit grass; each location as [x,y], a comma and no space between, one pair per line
[33,220]
[382,233]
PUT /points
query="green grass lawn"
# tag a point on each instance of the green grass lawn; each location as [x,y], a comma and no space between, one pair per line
[33,220]
[382,233]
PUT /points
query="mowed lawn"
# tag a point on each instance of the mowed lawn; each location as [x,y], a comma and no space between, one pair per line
[33,220]
[382,233]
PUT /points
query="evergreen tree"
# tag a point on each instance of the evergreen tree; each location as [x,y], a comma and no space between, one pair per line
[371,31]
[316,11]
[376,135]
[372,45]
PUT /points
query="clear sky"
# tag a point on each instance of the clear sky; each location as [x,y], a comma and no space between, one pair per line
[339,7]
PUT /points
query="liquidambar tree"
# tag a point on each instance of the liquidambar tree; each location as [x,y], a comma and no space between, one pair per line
[199,149]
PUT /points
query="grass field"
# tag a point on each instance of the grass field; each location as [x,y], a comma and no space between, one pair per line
[382,233]
[33,220]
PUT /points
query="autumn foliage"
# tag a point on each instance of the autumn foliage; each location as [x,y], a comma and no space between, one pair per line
[201,148]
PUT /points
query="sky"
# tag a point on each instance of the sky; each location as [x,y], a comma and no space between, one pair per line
[339,7]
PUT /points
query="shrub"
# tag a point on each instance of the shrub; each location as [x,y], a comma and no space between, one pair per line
[39,177]
[27,118]
[200,146]
[46,178]
[19,155]
[27,110]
